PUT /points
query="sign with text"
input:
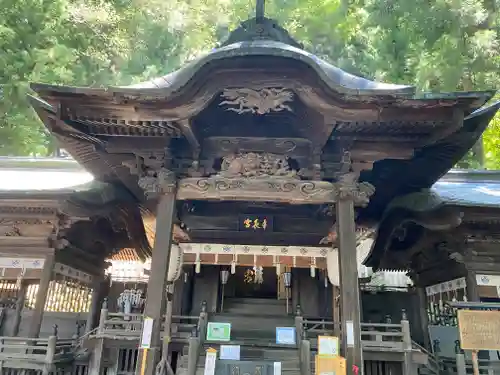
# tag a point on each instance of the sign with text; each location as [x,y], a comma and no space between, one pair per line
[328,345]
[231,352]
[330,365]
[256,223]
[147,331]
[218,331]
[479,329]
[210,360]
[285,335]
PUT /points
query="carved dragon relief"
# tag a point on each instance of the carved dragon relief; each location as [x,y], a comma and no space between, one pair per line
[266,100]
[256,165]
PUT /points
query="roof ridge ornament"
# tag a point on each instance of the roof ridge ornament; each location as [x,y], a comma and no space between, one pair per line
[260,28]
[260,7]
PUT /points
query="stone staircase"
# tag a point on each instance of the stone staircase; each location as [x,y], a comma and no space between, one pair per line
[253,327]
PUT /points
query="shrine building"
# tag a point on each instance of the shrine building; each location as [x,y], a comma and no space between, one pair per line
[257,187]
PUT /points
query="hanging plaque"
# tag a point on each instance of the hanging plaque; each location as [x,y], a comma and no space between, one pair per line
[479,330]
[255,223]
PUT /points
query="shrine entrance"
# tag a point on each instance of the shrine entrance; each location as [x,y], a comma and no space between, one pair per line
[253,282]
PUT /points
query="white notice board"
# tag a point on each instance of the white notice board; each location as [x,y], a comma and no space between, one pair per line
[147,331]
[231,352]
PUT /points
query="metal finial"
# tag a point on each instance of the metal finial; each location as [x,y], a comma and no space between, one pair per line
[259,9]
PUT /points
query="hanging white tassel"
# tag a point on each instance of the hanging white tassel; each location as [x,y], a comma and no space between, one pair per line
[233,267]
[20,278]
[197,267]
[313,267]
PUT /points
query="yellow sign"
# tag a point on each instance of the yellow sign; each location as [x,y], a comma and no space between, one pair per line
[479,330]
[331,365]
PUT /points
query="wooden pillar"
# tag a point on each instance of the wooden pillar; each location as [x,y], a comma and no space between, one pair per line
[19,308]
[98,286]
[349,287]
[424,318]
[156,295]
[471,284]
[41,296]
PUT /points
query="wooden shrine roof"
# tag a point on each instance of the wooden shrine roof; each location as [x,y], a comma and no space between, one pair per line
[461,208]
[400,141]
[258,93]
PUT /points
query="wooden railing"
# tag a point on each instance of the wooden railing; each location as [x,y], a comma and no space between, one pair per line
[462,366]
[123,326]
[373,335]
[35,350]
[386,337]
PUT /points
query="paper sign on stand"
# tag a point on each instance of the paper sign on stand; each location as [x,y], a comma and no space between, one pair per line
[231,352]
[217,331]
[349,325]
[147,331]
[277,368]
[328,345]
[285,335]
[210,360]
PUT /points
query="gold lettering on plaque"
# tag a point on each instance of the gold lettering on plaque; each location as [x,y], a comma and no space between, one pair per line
[479,330]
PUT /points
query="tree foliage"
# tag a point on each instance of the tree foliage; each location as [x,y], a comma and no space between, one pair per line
[442,45]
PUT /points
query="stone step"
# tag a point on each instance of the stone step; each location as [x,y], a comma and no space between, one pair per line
[200,371]
[250,323]
[255,301]
[255,306]
[285,364]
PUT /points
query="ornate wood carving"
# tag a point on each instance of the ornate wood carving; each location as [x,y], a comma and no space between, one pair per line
[27,227]
[32,209]
[220,146]
[73,273]
[266,100]
[350,188]
[154,178]
[256,165]
[157,182]
[257,190]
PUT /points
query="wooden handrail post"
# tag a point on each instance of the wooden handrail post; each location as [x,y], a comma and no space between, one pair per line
[51,349]
[407,345]
[203,321]
[305,356]
[193,353]
[104,315]
[299,325]
[460,359]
